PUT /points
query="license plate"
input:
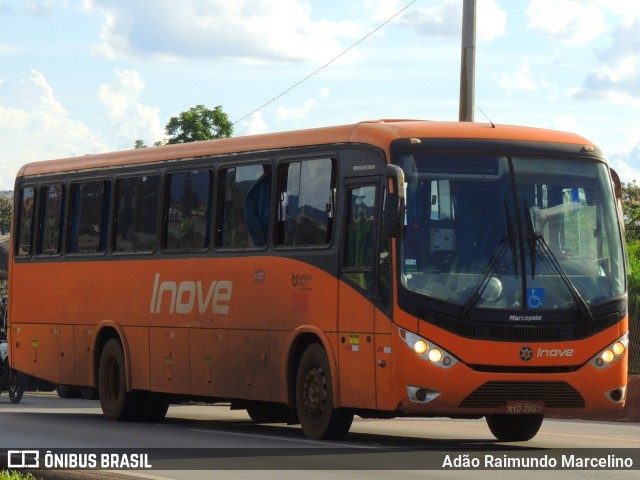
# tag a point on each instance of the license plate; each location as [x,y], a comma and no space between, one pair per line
[518,407]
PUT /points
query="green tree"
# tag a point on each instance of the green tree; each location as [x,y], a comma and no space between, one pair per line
[631,210]
[199,123]
[6,207]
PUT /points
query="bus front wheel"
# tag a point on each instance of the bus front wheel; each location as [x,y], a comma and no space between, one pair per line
[116,402]
[314,397]
[514,428]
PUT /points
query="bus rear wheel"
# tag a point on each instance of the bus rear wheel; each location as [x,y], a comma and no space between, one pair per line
[314,397]
[116,402]
[65,391]
[514,428]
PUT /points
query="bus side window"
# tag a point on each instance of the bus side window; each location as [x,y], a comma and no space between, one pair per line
[136,213]
[257,209]
[88,217]
[187,210]
[306,198]
[24,241]
[240,220]
[50,224]
[360,234]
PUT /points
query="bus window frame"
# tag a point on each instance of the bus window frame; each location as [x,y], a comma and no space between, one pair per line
[107,202]
[113,217]
[18,208]
[165,189]
[378,239]
[41,211]
[334,186]
[218,203]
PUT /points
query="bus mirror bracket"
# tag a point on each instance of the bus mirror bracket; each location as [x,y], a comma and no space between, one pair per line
[394,207]
[617,191]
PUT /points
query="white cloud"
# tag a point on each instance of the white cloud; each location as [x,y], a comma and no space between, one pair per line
[130,119]
[40,7]
[253,125]
[491,20]
[565,123]
[627,164]
[443,18]
[521,80]
[262,30]
[624,8]
[569,21]
[37,126]
[617,78]
[298,113]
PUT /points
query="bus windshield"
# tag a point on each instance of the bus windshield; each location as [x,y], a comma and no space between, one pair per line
[513,233]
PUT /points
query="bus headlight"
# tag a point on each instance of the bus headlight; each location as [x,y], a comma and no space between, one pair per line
[612,353]
[427,350]
[420,347]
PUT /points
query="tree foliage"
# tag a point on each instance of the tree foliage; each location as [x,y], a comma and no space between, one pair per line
[6,206]
[631,210]
[199,123]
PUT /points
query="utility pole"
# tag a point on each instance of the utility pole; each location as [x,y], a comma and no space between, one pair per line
[468,61]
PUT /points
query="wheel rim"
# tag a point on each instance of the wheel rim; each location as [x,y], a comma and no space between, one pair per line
[314,392]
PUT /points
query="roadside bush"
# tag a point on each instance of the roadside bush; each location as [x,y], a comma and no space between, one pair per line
[633,249]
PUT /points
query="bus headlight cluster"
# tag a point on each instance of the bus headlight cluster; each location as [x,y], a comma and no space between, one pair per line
[427,350]
[612,353]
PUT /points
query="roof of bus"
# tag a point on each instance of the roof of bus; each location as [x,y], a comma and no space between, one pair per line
[379,132]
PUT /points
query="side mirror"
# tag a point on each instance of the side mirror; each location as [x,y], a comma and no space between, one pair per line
[617,184]
[617,191]
[394,207]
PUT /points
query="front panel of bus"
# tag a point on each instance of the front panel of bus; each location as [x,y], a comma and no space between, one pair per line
[510,280]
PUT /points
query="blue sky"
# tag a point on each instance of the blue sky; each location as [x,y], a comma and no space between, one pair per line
[88,76]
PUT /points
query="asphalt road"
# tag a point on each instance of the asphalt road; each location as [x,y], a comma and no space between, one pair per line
[203,441]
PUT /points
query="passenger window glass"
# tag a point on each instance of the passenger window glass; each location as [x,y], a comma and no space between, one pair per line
[306,202]
[52,201]
[244,206]
[136,207]
[88,217]
[25,232]
[187,211]
[360,235]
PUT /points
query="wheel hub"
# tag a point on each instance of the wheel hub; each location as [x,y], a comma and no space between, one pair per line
[314,391]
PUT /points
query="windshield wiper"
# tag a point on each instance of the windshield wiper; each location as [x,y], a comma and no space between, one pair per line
[532,240]
[508,242]
[511,237]
[536,241]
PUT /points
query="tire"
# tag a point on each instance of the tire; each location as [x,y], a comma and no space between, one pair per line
[514,428]
[89,393]
[116,402]
[17,383]
[314,397]
[268,412]
[155,407]
[64,391]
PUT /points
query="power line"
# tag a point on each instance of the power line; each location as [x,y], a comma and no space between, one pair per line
[328,63]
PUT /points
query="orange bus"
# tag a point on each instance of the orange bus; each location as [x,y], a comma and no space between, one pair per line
[381,269]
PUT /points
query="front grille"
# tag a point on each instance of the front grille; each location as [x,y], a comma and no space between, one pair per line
[498,394]
[510,332]
[520,369]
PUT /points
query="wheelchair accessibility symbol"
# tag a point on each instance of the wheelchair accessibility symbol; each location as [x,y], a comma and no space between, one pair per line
[535,297]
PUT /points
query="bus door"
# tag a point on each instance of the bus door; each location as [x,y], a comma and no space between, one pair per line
[357,293]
